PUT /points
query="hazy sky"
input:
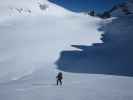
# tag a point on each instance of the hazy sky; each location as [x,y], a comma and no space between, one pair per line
[85,5]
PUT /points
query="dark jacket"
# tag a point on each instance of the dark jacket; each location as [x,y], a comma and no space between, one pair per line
[59,76]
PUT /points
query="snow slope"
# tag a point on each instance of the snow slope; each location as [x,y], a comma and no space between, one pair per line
[30,41]
[113,57]
[75,87]
[32,36]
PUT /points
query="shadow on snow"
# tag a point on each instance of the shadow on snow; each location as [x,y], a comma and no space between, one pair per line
[112,57]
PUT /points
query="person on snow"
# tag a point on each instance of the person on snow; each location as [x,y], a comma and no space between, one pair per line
[59,78]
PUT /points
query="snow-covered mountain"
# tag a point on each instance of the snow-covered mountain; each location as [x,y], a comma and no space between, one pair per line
[118,10]
[33,38]
[122,9]
[113,56]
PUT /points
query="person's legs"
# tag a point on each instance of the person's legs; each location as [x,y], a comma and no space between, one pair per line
[60,82]
[57,81]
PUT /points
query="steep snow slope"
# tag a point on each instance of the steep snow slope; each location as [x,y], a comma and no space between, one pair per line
[28,42]
[114,56]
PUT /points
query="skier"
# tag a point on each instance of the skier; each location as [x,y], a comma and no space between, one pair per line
[59,78]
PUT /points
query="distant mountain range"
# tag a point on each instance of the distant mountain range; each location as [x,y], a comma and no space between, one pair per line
[121,9]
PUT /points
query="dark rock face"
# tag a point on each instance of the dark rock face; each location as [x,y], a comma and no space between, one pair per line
[123,7]
[43,6]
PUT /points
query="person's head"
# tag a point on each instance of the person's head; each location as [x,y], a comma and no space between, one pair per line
[60,73]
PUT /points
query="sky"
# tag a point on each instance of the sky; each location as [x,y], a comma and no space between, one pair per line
[86,5]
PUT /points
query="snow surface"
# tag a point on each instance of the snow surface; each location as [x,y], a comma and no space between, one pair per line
[31,39]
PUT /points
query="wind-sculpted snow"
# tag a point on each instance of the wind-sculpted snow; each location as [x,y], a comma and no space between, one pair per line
[28,42]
